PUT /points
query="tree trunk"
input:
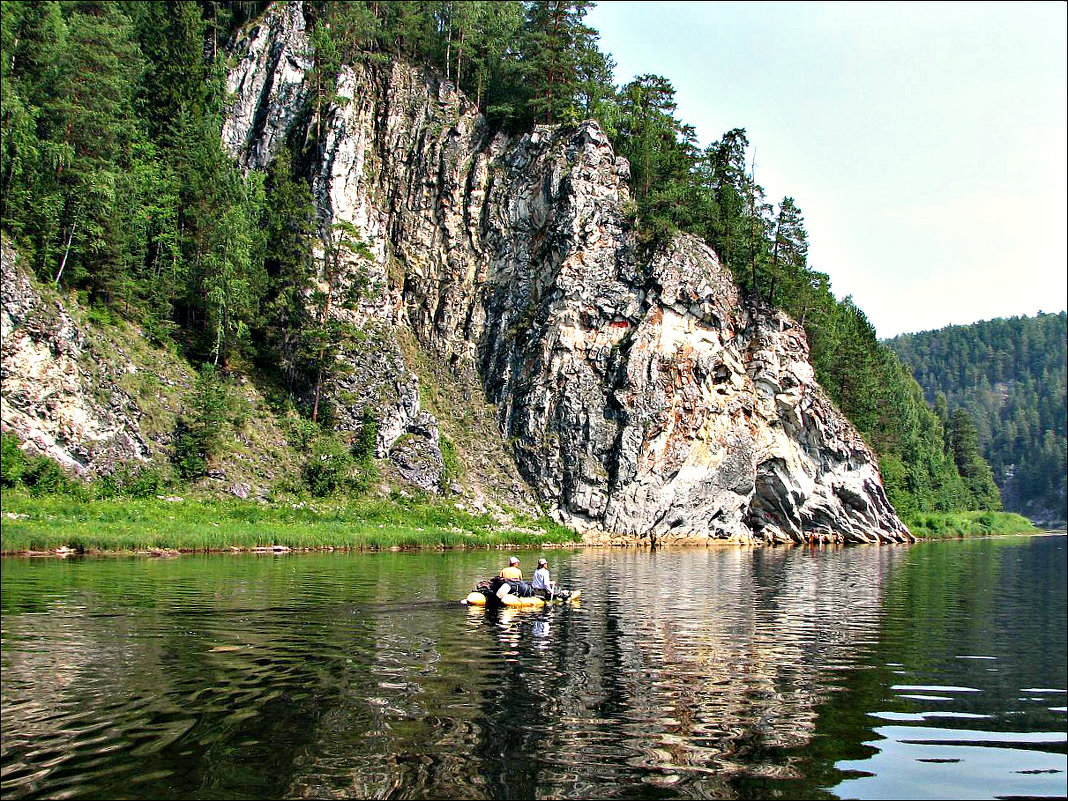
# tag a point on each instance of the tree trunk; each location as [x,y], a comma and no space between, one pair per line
[66,252]
[324,321]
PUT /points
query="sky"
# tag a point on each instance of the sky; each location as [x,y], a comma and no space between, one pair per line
[925,143]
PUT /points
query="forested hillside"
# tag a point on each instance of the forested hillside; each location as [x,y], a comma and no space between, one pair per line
[1009,375]
[115,187]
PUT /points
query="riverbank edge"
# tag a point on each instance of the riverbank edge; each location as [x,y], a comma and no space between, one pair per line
[169,526]
[281,550]
[173,524]
[164,553]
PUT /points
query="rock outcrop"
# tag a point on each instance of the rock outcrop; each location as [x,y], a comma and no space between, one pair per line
[643,401]
[61,394]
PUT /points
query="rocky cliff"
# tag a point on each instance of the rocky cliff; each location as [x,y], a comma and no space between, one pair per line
[514,348]
[643,400]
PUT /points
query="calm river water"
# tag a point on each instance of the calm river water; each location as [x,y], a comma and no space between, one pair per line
[931,671]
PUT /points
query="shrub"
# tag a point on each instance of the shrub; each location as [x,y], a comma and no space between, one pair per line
[197,439]
[363,451]
[328,471]
[12,460]
[301,433]
[44,476]
[453,468]
[190,457]
[145,482]
[363,447]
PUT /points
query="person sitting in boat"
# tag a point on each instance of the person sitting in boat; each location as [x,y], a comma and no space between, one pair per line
[510,580]
[543,585]
[512,572]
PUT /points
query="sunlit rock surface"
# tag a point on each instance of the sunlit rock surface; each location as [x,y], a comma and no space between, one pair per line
[60,395]
[643,402]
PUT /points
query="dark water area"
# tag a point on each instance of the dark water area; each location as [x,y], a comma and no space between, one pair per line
[931,671]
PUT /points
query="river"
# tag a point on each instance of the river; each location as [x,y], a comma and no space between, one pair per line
[929,671]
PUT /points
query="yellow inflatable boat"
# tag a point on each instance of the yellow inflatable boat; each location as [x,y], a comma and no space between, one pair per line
[478,598]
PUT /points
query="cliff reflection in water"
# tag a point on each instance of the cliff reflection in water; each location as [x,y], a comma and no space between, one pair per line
[681,669]
[361,676]
[732,658]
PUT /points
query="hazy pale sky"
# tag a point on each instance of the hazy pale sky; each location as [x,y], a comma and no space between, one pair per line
[925,143]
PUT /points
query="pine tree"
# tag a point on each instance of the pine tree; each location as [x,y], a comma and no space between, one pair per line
[92,113]
[556,44]
[976,473]
[789,252]
[725,179]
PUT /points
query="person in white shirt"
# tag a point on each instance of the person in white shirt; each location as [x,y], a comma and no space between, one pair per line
[543,585]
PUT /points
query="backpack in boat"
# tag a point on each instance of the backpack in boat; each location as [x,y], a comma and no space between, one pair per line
[518,587]
[521,589]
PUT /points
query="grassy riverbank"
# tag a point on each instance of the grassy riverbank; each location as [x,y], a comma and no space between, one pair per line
[956,525]
[51,523]
[55,522]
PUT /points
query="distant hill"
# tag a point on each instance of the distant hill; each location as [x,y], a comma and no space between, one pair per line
[1010,377]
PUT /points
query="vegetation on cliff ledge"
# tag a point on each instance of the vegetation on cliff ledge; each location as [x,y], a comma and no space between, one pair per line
[116,188]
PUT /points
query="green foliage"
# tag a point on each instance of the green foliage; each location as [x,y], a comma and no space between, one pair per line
[333,467]
[114,179]
[452,466]
[661,153]
[363,447]
[45,477]
[41,475]
[328,470]
[302,433]
[197,438]
[967,524]
[46,523]
[363,452]
[1009,375]
[190,459]
[289,228]
[326,337]
[559,49]
[127,482]
[978,477]
[12,460]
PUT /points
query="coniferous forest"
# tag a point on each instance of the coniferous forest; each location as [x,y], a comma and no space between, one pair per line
[115,187]
[1008,378]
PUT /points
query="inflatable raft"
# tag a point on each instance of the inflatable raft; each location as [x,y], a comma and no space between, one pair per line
[494,594]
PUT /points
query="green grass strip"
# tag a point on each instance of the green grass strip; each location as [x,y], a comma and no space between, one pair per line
[51,523]
[956,525]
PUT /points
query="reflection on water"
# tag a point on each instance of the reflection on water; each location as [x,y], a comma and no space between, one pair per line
[725,672]
[969,629]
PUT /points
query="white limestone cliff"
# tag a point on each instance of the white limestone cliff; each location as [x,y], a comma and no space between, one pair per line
[643,402]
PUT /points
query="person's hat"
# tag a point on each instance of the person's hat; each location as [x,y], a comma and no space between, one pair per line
[542,563]
[513,560]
